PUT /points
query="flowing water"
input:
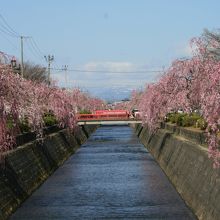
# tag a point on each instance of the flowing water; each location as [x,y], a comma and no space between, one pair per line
[112,176]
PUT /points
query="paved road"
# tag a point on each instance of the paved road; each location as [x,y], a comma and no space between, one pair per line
[112,176]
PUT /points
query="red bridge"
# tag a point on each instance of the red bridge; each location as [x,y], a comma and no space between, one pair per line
[105,115]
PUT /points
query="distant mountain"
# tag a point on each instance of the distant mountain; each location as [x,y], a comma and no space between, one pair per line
[111,94]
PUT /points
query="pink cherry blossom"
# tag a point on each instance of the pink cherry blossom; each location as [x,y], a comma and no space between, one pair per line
[23,99]
[190,84]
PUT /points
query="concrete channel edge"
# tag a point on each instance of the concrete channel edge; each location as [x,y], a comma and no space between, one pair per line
[186,164]
[29,165]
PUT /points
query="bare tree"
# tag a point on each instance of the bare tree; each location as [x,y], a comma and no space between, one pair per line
[35,72]
[212,39]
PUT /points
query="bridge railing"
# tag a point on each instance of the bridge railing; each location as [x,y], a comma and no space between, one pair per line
[103,116]
[112,112]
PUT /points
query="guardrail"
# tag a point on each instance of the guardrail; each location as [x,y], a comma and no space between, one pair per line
[105,116]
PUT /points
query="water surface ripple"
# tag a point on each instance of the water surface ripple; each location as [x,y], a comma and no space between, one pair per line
[112,176]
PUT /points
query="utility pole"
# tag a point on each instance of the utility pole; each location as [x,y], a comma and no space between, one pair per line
[22,57]
[22,54]
[65,70]
[49,60]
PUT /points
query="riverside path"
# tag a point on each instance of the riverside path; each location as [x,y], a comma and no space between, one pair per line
[112,176]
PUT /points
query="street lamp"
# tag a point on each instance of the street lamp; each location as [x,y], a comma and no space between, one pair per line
[13,63]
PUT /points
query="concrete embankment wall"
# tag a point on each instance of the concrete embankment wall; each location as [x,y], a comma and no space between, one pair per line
[30,164]
[182,155]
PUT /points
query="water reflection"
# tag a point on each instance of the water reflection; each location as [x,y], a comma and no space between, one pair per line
[111,176]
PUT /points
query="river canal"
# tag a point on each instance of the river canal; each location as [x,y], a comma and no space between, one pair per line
[112,176]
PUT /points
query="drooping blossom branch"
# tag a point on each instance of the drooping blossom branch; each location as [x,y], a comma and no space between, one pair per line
[190,84]
[22,99]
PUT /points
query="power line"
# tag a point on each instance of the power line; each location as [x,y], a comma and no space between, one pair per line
[56,66]
[33,49]
[34,44]
[10,31]
[6,29]
[10,42]
[7,33]
[103,71]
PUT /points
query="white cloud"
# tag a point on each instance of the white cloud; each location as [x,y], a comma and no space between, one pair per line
[117,73]
[109,66]
[117,76]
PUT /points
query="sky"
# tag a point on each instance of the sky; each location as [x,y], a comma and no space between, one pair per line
[123,43]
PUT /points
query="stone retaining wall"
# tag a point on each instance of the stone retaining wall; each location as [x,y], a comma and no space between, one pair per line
[185,161]
[29,165]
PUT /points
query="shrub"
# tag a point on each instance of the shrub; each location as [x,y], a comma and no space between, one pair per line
[9,123]
[171,117]
[201,123]
[187,121]
[49,119]
[85,111]
[24,126]
[194,118]
[180,118]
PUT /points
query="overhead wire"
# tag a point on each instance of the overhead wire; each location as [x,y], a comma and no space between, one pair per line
[103,71]
[7,27]
[7,33]
[37,49]
[36,46]
[33,48]
[10,42]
